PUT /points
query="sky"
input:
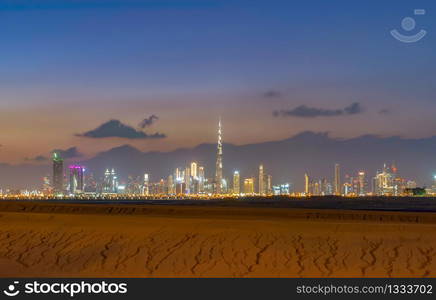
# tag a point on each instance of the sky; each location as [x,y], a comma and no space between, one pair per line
[96,74]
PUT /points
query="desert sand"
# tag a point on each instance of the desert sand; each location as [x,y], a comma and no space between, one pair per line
[79,240]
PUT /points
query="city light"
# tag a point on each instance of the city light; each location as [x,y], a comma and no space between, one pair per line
[191,182]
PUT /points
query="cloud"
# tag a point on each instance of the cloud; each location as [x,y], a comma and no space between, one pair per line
[114,128]
[72,152]
[148,121]
[272,94]
[39,158]
[384,111]
[304,111]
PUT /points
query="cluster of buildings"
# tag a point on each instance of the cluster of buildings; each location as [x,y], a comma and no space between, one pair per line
[386,182]
[191,180]
[188,180]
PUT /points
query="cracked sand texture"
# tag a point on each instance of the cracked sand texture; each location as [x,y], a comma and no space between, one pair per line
[214,242]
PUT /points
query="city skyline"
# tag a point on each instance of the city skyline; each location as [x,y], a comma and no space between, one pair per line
[191,180]
[281,173]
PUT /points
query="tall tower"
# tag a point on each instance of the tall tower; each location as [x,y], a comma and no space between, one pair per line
[201,179]
[306,184]
[337,180]
[194,169]
[236,183]
[219,162]
[58,174]
[261,181]
[146,185]
[249,186]
[362,184]
[76,179]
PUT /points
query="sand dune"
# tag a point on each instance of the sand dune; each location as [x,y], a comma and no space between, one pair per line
[183,241]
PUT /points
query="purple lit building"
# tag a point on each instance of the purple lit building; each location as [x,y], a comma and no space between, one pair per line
[76,179]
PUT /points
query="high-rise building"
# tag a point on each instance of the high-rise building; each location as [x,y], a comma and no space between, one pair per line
[337,180]
[261,181]
[201,179]
[194,170]
[58,174]
[46,186]
[171,186]
[362,184]
[76,179]
[146,185]
[249,186]
[187,180]
[306,184]
[269,190]
[236,183]
[90,184]
[178,175]
[110,184]
[219,162]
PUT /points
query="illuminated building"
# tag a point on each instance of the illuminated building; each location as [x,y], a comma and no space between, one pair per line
[219,162]
[410,184]
[145,185]
[76,179]
[261,181]
[58,174]
[268,184]
[316,188]
[110,184]
[388,183]
[337,180]
[348,189]
[306,184]
[134,185]
[224,186]
[362,184]
[177,175]
[90,184]
[194,169]
[171,186]
[236,183]
[201,179]
[46,186]
[180,188]
[281,190]
[187,180]
[249,186]
[162,187]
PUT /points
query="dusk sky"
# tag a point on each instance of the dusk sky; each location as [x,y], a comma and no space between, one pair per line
[270,69]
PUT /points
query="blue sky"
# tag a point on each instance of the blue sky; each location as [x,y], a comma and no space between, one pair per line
[69,66]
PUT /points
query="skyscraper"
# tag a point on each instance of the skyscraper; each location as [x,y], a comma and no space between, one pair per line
[110,184]
[249,186]
[201,179]
[268,185]
[146,185]
[219,162]
[261,181]
[194,169]
[76,179]
[362,184]
[171,187]
[337,180]
[58,174]
[236,183]
[306,184]
[187,180]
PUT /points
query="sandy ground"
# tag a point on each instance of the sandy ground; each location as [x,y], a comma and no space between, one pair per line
[65,240]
